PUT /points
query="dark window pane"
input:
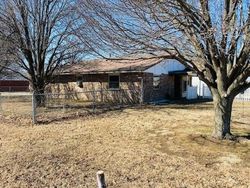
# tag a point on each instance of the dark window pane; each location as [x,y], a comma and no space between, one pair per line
[114,78]
[114,82]
[113,85]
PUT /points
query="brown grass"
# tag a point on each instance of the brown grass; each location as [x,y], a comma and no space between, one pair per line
[159,146]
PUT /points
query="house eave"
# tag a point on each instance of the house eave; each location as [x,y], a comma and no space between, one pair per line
[98,72]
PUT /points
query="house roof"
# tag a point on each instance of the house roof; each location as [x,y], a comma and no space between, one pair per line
[186,71]
[109,66]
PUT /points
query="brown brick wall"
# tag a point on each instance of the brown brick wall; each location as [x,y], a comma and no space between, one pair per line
[165,90]
[129,85]
[129,82]
[124,77]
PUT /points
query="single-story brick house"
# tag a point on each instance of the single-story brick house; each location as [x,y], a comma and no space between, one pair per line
[142,79]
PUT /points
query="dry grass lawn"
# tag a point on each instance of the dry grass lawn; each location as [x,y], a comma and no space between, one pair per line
[157,146]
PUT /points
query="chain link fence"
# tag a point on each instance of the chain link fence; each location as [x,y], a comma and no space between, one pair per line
[54,106]
[48,107]
[16,106]
[245,96]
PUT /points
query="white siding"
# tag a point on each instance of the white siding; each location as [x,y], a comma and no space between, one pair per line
[203,91]
[245,96]
[165,67]
[191,92]
[202,88]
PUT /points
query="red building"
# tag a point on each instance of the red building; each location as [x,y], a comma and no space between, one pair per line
[14,85]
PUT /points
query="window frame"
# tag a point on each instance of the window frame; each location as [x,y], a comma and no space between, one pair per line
[79,81]
[113,88]
[159,82]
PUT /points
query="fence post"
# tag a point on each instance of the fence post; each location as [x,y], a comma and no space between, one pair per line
[64,102]
[101,179]
[102,95]
[34,108]
[142,91]
[121,97]
[94,101]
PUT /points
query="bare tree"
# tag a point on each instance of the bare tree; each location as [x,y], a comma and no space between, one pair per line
[3,71]
[39,32]
[4,59]
[8,67]
[209,36]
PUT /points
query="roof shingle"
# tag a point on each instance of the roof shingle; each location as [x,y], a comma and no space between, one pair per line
[103,65]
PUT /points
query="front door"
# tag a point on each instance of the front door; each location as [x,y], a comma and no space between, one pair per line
[184,83]
[177,87]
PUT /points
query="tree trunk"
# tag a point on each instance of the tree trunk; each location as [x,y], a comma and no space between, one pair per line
[39,95]
[222,117]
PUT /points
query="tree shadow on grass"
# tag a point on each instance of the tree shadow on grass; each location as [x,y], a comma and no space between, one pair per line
[101,109]
[205,139]
[240,122]
[200,104]
[86,113]
[245,137]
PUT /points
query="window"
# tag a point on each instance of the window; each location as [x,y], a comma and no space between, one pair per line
[79,81]
[114,82]
[156,82]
